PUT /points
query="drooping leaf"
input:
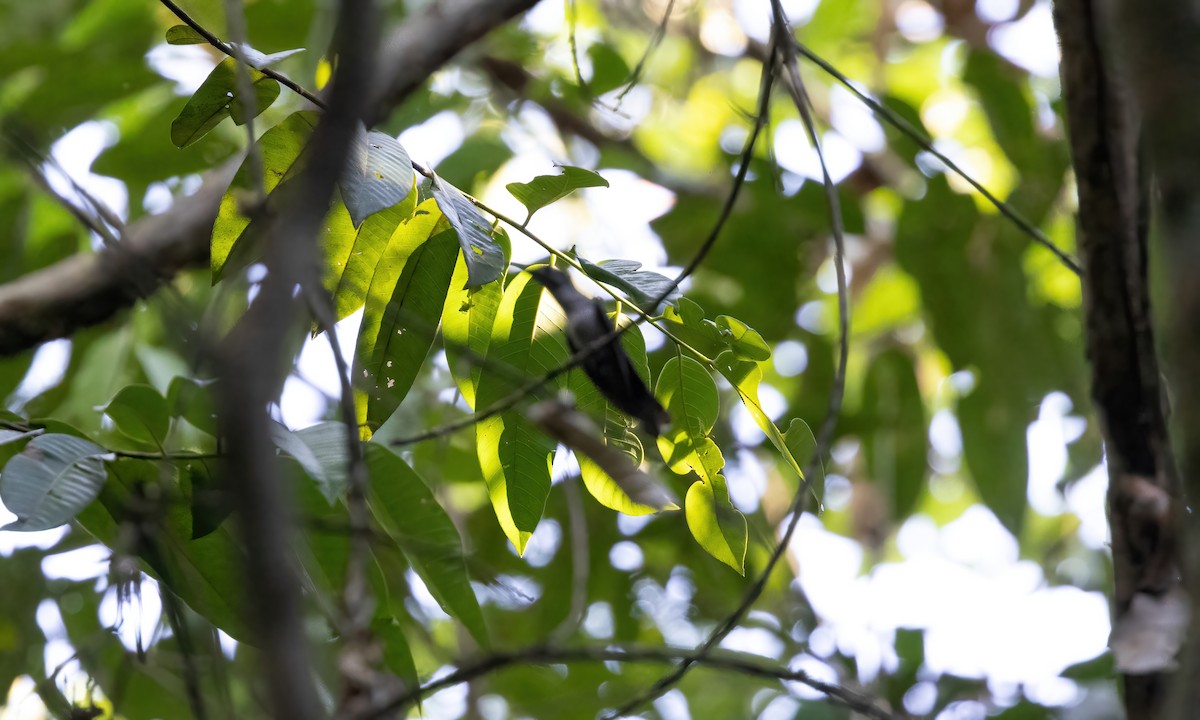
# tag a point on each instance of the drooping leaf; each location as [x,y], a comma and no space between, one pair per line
[280,148]
[546,189]
[609,69]
[400,319]
[643,287]
[895,437]
[216,99]
[189,398]
[141,413]
[527,341]
[378,175]
[743,339]
[51,480]
[321,451]
[746,376]
[715,523]
[184,35]
[397,655]
[352,254]
[407,510]
[801,445]
[467,320]
[485,258]
[615,427]
[687,322]
[686,389]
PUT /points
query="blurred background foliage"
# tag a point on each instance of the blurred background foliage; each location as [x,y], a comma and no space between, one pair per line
[962,328]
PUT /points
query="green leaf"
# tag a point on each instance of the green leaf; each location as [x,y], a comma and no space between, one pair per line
[746,376]
[189,398]
[400,320]
[686,389]
[715,523]
[800,446]
[321,451]
[546,189]
[615,426]
[407,510]
[643,287]
[486,260]
[184,35]
[609,70]
[743,339]
[51,481]
[351,255]
[527,341]
[397,656]
[688,323]
[467,320]
[216,99]
[280,148]
[895,437]
[378,175]
[207,573]
[141,413]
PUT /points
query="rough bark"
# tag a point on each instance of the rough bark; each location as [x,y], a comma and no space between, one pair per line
[1103,130]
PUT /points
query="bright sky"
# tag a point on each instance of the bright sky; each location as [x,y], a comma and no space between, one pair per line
[986,612]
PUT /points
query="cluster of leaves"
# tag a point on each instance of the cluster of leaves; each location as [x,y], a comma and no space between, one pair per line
[942,285]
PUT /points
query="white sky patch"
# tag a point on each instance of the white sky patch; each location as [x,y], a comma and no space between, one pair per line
[986,613]
[305,398]
[1030,42]
[85,563]
[673,705]
[74,153]
[918,22]
[855,121]
[47,369]
[187,65]
[1087,498]
[138,613]
[745,429]
[796,154]
[754,16]
[758,641]
[994,11]
[433,140]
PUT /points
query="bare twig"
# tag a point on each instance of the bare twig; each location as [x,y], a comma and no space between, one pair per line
[231,52]
[923,142]
[655,40]
[727,661]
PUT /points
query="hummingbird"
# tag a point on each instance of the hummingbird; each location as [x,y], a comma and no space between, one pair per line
[608,366]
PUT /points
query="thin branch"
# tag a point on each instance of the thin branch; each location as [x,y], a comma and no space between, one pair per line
[782,42]
[655,40]
[233,53]
[726,661]
[923,142]
[571,24]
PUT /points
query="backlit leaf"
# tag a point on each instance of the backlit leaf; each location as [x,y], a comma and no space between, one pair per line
[51,481]
[485,258]
[216,99]
[546,189]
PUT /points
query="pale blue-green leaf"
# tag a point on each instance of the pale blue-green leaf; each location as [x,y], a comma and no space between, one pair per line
[486,261]
[378,175]
[643,287]
[51,481]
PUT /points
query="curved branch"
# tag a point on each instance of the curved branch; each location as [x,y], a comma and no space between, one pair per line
[88,289]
